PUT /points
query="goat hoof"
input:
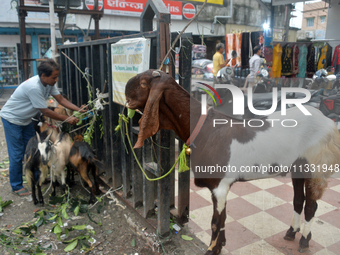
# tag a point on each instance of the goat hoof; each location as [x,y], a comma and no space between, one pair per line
[290,235]
[92,200]
[41,203]
[223,243]
[304,243]
[35,202]
[302,250]
[71,184]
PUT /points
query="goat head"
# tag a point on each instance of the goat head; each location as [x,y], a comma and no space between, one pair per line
[45,148]
[146,92]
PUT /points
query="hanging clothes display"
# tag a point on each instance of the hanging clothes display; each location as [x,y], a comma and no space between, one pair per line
[233,42]
[277,65]
[245,51]
[268,54]
[238,48]
[255,38]
[296,53]
[311,60]
[302,61]
[326,54]
[287,60]
[336,59]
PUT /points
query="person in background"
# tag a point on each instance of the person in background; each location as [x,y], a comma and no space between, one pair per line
[16,114]
[218,63]
[254,66]
[218,60]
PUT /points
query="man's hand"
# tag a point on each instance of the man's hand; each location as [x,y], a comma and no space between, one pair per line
[72,120]
[83,110]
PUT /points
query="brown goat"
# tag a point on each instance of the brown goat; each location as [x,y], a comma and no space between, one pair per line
[83,159]
[314,141]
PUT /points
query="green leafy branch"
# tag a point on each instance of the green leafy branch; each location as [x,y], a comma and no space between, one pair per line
[88,135]
[64,207]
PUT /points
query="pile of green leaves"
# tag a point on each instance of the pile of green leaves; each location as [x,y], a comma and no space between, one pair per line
[76,236]
[4,204]
[13,244]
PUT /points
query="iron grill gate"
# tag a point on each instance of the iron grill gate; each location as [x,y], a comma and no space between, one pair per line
[148,198]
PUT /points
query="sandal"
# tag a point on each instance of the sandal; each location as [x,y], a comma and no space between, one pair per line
[22,192]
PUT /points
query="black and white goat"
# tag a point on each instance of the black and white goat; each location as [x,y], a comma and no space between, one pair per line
[33,163]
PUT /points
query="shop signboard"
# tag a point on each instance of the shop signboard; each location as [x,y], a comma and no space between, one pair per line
[129,57]
[90,4]
[219,2]
[189,11]
[135,7]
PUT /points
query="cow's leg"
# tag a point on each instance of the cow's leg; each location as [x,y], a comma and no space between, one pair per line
[310,209]
[299,198]
[219,198]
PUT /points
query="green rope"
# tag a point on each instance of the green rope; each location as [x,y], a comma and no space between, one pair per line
[182,165]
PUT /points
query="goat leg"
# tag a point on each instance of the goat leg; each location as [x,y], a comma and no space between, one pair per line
[40,196]
[70,175]
[83,170]
[34,197]
[96,189]
[54,185]
[63,182]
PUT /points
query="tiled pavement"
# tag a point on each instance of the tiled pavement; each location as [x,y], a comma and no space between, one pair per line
[259,214]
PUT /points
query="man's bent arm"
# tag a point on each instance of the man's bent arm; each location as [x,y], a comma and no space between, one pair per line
[64,102]
[53,115]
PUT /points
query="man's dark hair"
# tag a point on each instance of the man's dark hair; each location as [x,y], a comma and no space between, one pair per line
[219,46]
[257,48]
[47,67]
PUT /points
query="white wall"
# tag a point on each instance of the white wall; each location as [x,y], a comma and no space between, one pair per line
[11,40]
[333,21]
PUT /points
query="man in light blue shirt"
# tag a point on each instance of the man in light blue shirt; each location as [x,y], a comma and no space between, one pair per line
[16,114]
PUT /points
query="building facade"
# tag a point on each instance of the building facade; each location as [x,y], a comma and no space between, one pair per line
[120,18]
[314,20]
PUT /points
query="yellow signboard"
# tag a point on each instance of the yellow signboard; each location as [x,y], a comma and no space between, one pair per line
[220,2]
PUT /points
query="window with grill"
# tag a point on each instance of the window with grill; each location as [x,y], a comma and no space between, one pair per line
[310,22]
[322,19]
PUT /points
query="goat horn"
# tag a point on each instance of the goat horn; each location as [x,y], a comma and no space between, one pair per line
[48,137]
[156,74]
[38,137]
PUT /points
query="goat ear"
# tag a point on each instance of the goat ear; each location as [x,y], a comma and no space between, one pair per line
[48,137]
[149,123]
[38,137]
